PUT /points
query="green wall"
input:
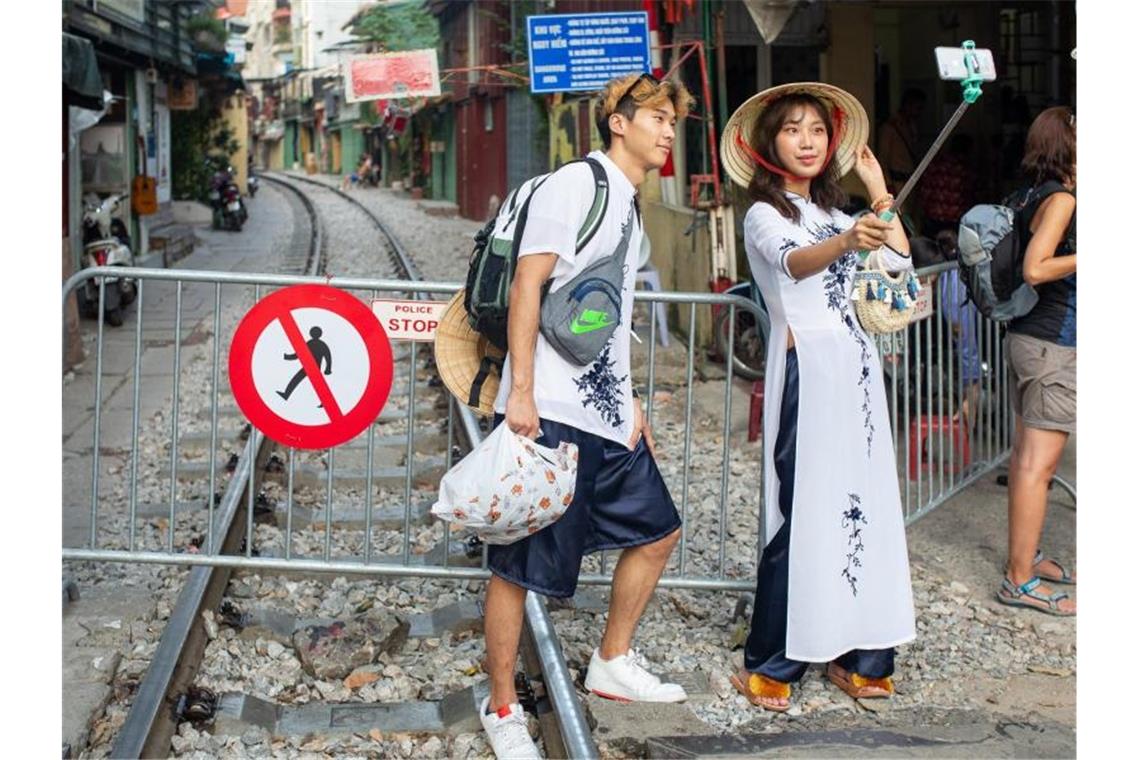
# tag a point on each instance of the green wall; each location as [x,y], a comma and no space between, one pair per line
[290,151]
[443,164]
[351,147]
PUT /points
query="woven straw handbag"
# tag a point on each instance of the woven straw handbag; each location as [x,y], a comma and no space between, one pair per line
[884,302]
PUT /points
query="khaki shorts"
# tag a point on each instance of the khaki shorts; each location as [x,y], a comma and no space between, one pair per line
[1043,382]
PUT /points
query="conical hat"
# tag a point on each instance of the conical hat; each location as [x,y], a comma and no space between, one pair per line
[854,133]
[460,354]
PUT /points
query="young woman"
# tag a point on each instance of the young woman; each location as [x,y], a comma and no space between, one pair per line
[1042,351]
[833,584]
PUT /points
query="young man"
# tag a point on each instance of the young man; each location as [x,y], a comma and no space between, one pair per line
[620,501]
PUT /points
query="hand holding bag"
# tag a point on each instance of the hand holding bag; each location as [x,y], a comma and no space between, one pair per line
[508,487]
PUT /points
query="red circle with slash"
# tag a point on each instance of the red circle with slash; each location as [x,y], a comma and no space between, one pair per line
[276,312]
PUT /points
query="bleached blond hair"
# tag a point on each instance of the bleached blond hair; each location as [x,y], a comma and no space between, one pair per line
[627,93]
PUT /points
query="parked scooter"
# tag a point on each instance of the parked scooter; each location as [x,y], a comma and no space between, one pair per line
[225,199]
[252,182]
[106,244]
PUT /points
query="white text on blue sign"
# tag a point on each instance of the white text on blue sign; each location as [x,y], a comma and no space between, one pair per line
[577,52]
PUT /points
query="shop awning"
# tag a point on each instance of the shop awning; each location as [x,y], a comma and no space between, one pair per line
[82,83]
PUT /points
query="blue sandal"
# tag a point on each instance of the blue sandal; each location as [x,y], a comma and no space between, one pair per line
[1066,577]
[1019,596]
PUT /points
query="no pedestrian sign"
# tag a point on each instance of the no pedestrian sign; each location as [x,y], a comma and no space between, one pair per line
[583,51]
[310,366]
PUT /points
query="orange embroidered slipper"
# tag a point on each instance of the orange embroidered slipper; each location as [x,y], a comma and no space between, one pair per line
[756,687]
[858,687]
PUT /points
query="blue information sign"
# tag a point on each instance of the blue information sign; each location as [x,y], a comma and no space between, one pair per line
[583,51]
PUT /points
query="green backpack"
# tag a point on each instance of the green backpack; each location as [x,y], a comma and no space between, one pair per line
[492,265]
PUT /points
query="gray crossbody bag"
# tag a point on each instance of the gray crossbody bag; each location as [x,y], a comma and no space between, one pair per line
[580,317]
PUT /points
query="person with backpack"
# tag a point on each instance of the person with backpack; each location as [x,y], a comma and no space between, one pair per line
[1041,347]
[833,584]
[549,395]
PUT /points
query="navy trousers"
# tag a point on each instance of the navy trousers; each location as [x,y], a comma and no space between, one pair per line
[765,651]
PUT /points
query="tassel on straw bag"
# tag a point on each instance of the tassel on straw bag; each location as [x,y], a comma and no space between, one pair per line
[884,302]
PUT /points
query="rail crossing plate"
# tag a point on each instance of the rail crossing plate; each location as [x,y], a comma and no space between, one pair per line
[310,366]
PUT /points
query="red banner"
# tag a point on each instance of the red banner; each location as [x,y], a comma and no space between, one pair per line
[410,74]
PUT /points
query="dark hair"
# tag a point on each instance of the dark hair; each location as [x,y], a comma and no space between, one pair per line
[1051,146]
[768,187]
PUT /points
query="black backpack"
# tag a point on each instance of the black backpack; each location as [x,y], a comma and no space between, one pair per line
[492,265]
[992,239]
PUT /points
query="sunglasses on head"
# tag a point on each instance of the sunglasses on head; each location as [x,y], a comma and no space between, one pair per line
[629,90]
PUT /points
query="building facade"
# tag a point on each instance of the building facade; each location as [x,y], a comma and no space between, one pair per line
[141,53]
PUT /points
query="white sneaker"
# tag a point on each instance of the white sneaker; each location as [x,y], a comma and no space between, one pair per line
[626,679]
[507,731]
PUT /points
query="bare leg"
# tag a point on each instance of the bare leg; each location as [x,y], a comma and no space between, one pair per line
[1031,465]
[970,405]
[502,624]
[635,577]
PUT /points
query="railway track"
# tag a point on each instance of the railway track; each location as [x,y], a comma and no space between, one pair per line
[289,576]
[318,490]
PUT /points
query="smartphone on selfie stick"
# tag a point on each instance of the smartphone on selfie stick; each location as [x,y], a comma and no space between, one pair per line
[969,65]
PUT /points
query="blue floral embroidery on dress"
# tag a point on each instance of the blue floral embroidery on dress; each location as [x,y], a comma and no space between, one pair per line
[836,285]
[786,247]
[600,388]
[853,517]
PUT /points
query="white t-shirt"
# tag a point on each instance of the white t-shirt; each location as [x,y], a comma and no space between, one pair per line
[596,398]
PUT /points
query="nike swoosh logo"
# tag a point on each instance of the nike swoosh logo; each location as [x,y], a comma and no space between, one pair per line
[590,321]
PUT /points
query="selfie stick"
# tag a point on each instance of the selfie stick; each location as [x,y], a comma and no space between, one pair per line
[971,91]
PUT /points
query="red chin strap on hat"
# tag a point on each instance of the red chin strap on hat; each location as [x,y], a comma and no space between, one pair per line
[837,132]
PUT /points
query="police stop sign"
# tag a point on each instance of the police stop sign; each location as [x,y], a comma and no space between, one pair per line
[409,320]
[310,366]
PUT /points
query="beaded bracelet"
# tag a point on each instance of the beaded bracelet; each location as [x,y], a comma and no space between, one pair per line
[886,200]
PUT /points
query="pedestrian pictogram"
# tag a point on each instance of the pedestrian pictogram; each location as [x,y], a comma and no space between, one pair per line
[289,386]
[321,355]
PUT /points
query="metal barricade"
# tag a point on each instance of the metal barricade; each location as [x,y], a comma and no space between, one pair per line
[378,512]
[947,390]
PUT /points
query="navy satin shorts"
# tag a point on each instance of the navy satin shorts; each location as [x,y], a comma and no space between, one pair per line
[620,500]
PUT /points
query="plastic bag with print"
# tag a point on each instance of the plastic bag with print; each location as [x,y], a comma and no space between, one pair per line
[508,487]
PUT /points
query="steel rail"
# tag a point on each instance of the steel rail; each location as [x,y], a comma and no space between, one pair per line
[541,639]
[152,721]
[149,728]
[399,253]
